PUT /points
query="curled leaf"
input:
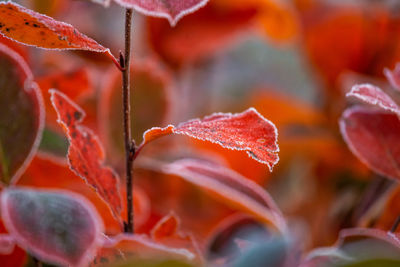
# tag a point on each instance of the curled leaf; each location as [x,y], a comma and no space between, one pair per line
[173,10]
[167,231]
[248,131]
[373,136]
[373,95]
[56,226]
[85,154]
[21,116]
[231,187]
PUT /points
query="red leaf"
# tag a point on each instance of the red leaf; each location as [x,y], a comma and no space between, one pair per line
[173,10]
[248,131]
[31,28]
[55,226]
[393,76]
[373,136]
[231,187]
[21,116]
[373,95]
[86,153]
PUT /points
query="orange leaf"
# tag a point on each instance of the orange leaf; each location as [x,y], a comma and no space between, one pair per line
[86,153]
[31,28]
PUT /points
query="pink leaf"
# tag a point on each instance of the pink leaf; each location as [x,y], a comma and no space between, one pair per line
[373,136]
[55,226]
[21,115]
[231,187]
[173,10]
[85,154]
[247,131]
[393,76]
[373,95]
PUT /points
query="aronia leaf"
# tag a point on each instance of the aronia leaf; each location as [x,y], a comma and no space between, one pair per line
[31,28]
[373,95]
[55,226]
[231,187]
[173,10]
[248,131]
[373,136]
[21,116]
[86,153]
[167,231]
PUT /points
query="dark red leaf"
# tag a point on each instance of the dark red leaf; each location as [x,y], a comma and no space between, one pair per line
[55,226]
[373,95]
[21,116]
[248,131]
[173,10]
[85,154]
[373,136]
[231,187]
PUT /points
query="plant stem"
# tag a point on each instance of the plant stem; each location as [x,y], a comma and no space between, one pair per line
[129,144]
[395,225]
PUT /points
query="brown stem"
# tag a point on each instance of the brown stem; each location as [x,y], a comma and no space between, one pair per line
[129,144]
[395,225]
